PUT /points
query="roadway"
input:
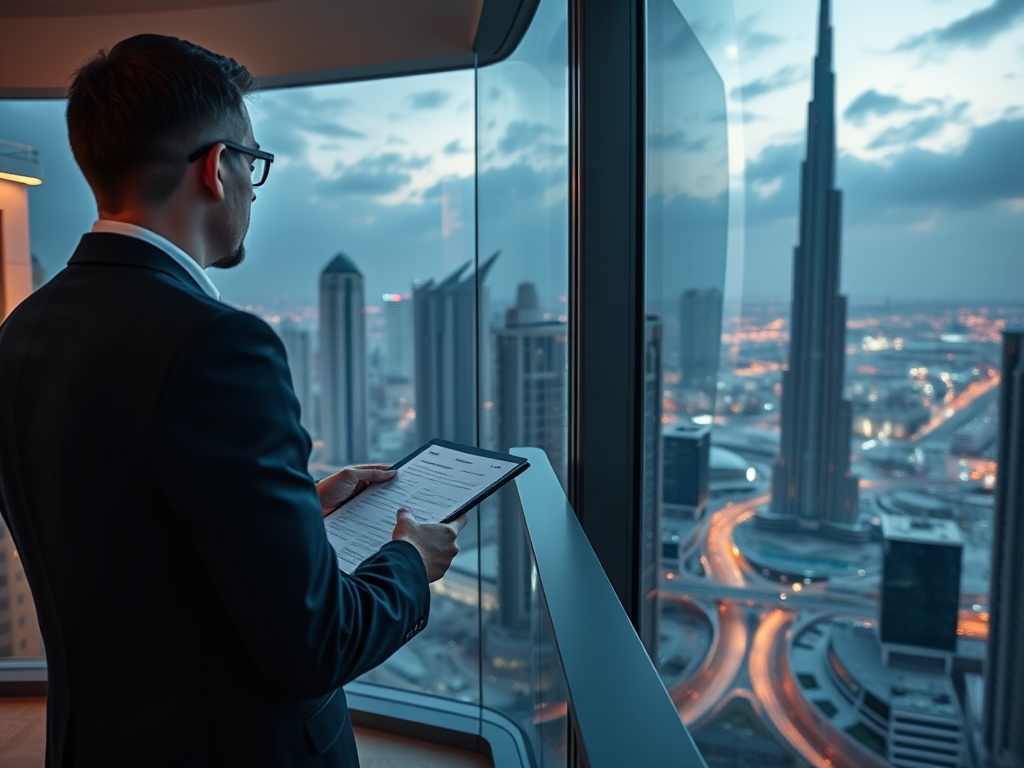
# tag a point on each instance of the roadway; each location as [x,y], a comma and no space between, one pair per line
[734,587]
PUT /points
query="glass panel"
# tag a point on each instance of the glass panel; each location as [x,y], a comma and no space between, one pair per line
[354,241]
[377,305]
[872,239]
[523,234]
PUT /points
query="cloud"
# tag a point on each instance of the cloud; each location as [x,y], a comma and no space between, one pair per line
[989,170]
[282,120]
[454,148]
[918,129]
[330,128]
[677,140]
[872,103]
[375,176]
[752,42]
[762,86]
[975,30]
[522,135]
[429,99]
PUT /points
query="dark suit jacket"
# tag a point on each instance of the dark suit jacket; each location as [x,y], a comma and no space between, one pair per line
[153,475]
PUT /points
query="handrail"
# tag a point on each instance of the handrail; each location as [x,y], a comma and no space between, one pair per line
[620,713]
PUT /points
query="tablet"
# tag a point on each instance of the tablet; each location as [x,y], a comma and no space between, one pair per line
[437,482]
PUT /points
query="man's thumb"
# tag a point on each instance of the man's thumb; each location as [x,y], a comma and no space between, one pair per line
[404,513]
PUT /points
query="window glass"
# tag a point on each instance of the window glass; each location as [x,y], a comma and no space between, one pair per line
[361,254]
[523,231]
[833,232]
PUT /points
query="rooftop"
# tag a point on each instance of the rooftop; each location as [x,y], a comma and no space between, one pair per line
[341,263]
[921,530]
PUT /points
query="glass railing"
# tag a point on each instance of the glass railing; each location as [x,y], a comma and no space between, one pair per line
[575,686]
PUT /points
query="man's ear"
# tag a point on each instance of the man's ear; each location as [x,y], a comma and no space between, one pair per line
[212,172]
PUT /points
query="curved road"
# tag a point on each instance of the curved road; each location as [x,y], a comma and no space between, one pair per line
[785,706]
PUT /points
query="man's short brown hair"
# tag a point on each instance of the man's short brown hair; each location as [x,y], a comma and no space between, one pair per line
[134,114]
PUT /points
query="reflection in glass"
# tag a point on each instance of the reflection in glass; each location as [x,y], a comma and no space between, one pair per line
[687,233]
[523,213]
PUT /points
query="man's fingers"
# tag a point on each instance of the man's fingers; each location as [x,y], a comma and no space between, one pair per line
[458,523]
[372,475]
[370,466]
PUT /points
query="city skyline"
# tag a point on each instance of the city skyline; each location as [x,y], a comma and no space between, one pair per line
[385,167]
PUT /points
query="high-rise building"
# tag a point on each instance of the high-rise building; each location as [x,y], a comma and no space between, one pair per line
[686,471]
[700,335]
[343,403]
[920,590]
[398,336]
[445,327]
[650,512]
[531,404]
[19,627]
[300,363]
[812,486]
[1003,716]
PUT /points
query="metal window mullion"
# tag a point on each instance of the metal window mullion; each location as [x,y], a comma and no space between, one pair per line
[607,283]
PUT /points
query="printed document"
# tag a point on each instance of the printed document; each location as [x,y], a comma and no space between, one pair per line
[433,485]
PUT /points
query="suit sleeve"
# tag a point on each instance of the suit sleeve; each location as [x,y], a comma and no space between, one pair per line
[231,462]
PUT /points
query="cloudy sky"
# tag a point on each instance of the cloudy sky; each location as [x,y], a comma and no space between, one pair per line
[931,142]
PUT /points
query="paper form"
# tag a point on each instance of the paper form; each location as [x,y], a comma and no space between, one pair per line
[434,484]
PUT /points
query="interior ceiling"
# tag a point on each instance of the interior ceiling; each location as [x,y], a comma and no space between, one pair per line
[282,42]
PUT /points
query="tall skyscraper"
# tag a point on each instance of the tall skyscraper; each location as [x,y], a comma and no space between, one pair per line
[531,411]
[700,335]
[650,512]
[445,325]
[1003,718]
[811,482]
[300,363]
[398,336]
[343,402]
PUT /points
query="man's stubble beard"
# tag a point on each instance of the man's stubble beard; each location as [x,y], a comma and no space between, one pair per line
[235,258]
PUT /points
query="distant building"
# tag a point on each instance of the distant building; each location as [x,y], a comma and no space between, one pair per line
[297,345]
[398,337]
[908,714]
[920,591]
[891,423]
[343,402]
[687,471]
[21,169]
[1003,718]
[650,512]
[812,487]
[531,403]
[445,323]
[700,333]
[19,627]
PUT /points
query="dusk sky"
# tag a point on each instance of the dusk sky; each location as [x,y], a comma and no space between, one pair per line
[931,141]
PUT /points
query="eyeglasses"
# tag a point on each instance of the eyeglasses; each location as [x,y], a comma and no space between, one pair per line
[260,165]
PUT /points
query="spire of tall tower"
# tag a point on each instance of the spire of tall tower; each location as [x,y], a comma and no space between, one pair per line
[825,34]
[811,483]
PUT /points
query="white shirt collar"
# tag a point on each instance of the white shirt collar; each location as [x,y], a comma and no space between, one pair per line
[187,262]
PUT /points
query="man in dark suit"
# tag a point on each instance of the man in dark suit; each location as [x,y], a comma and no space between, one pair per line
[153,469]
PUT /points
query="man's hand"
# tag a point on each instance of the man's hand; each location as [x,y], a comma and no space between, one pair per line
[342,486]
[435,542]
